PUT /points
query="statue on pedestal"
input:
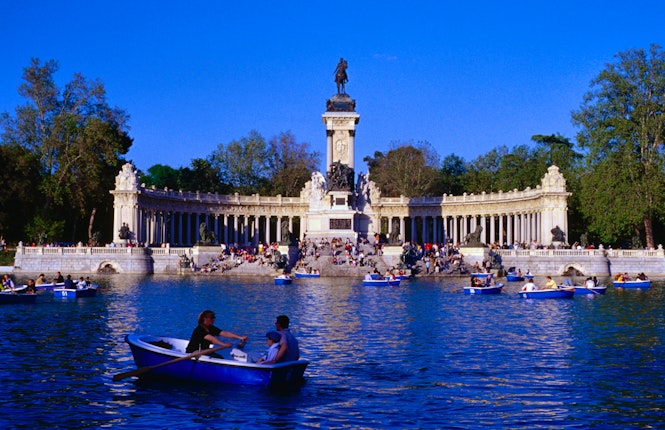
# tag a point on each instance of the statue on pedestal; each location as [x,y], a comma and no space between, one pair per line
[207,237]
[341,77]
[473,239]
[558,235]
[340,177]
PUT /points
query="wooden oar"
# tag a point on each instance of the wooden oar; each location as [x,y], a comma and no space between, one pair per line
[143,370]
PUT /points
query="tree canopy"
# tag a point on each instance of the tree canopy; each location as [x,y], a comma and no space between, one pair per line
[406,170]
[622,129]
[78,140]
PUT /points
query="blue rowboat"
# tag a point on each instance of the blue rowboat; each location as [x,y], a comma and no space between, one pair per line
[74,293]
[594,291]
[50,286]
[307,275]
[513,277]
[482,275]
[403,277]
[638,283]
[559,293]
[491,289]
[384,282]
[283,280]
[13,297]
[154,351]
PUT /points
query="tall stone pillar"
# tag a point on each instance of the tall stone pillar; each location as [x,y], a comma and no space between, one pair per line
[125,202]
[555,206]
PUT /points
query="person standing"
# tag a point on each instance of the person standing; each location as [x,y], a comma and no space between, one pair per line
[206,333]
[289,349]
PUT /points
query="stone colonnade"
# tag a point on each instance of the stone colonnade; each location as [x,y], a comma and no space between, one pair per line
[174,217]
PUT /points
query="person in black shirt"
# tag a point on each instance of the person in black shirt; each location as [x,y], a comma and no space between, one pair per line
[206,333]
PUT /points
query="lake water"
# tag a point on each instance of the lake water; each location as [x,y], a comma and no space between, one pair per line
[422,355]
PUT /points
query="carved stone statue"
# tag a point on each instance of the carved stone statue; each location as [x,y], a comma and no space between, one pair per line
[340,177]
[341,77]
[207,237]
[395,232]
[286,234]
[127,179]
[473,239]
[558,235]
[318,186]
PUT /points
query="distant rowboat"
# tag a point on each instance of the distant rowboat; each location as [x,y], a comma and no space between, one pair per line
[550,293]
[638,283]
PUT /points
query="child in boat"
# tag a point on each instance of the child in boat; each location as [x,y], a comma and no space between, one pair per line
[273,339]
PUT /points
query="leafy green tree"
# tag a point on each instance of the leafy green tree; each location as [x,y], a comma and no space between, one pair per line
[453,170]
[290,166]
[162,176]
[202,176]
[244,163]
[78,138]
[20,196]
[405,170]
[622,129]
[482,171]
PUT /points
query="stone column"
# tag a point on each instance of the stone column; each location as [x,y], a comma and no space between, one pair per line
[501,219]
[245,230]
[225,226]
[483,223]
[267,238]
[235,228]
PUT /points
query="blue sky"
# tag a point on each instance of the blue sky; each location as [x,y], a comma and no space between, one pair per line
[464,76]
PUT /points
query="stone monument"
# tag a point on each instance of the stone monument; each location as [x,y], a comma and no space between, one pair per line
[333,211]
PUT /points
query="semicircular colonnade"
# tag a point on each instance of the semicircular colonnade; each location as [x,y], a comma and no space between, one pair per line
[157,217]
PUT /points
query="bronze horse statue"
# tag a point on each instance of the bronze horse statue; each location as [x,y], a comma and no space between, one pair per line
[341,77]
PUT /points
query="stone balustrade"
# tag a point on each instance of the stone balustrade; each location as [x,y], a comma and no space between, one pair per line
[149,260]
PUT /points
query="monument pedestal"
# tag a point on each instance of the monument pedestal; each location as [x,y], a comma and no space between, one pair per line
[473,255]
[336,220]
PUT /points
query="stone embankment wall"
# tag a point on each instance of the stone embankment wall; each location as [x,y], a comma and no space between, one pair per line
[556,262]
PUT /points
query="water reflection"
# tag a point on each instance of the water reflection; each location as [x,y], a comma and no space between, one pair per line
[420,355]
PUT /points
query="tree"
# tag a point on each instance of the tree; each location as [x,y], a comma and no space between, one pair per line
[452,173]
[404,170]
[622,128]
[244,163]
[482,171]
[290,166]
[162,176]
[202,176]
[78,139]
[19,182]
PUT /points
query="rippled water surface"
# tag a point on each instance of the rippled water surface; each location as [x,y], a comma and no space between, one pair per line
[422,355]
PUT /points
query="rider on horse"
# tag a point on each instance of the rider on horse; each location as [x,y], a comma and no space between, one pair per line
[340,76]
